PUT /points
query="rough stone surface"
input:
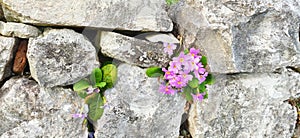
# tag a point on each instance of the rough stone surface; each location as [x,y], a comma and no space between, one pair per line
[158,37]
[247,105]
[268,41]
[8,46]
[18,30]
[244,36]
[218,53]
[28,110]
[132,50]
[60,57]
[138,109]
[195,29]
[113,14]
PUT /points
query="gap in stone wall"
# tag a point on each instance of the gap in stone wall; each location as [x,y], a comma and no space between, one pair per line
[184,127]
[20,61]
[295,102]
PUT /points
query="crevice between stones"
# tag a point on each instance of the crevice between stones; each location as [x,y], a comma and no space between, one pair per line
[184,126]
[295,69]
[295,102]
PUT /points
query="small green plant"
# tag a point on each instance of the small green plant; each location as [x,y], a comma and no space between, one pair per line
[170,2]
[92,90]
[186,74]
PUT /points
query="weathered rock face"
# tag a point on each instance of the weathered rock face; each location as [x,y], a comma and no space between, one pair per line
[196,31]
[60,57]
[18,30]
[244,36]
[260,38]
[28,110]
[252,38]
[131,50]
[247,105]
[8,46]
[137,109]
[158,37]
[268,41]
[113,14]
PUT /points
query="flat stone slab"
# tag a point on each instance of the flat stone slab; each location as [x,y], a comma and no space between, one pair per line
[247,105]
[132,50]
[137,109]
[61,57]
[20,30]
[110,14]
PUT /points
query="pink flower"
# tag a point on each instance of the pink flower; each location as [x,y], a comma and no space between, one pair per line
[167,89]
[186,76]
[201,77]
[183,60]
[79,115]
[199,68]
[90,90]
[168,74]
[174,66]
[194,52]
[178,82]
[169,48]
[193,63]
[198,97]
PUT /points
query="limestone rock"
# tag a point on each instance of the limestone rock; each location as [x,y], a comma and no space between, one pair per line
[268,41]
[245,36]
[60,57]
[8,46]
[158,37]
[247,105]
[28,110]
[218,53]
[18,30]
[195,29]
[111,14]
[138,109]
[188,20]
[133,51]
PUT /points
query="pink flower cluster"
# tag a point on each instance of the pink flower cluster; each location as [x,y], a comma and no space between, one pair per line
[181,70]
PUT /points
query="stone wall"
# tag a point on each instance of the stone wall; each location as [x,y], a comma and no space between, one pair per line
[252,48]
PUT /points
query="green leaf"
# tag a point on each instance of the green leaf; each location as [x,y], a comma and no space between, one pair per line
[205,96]
[81,85]
[204,61]
[109,75]
[186,51]
[101,84]
[96,76]
[95,103]
[193,83]
[202,87]
[187,92]
[195,90]
[154,72]
[210,79]
[170,2]
[82,93]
